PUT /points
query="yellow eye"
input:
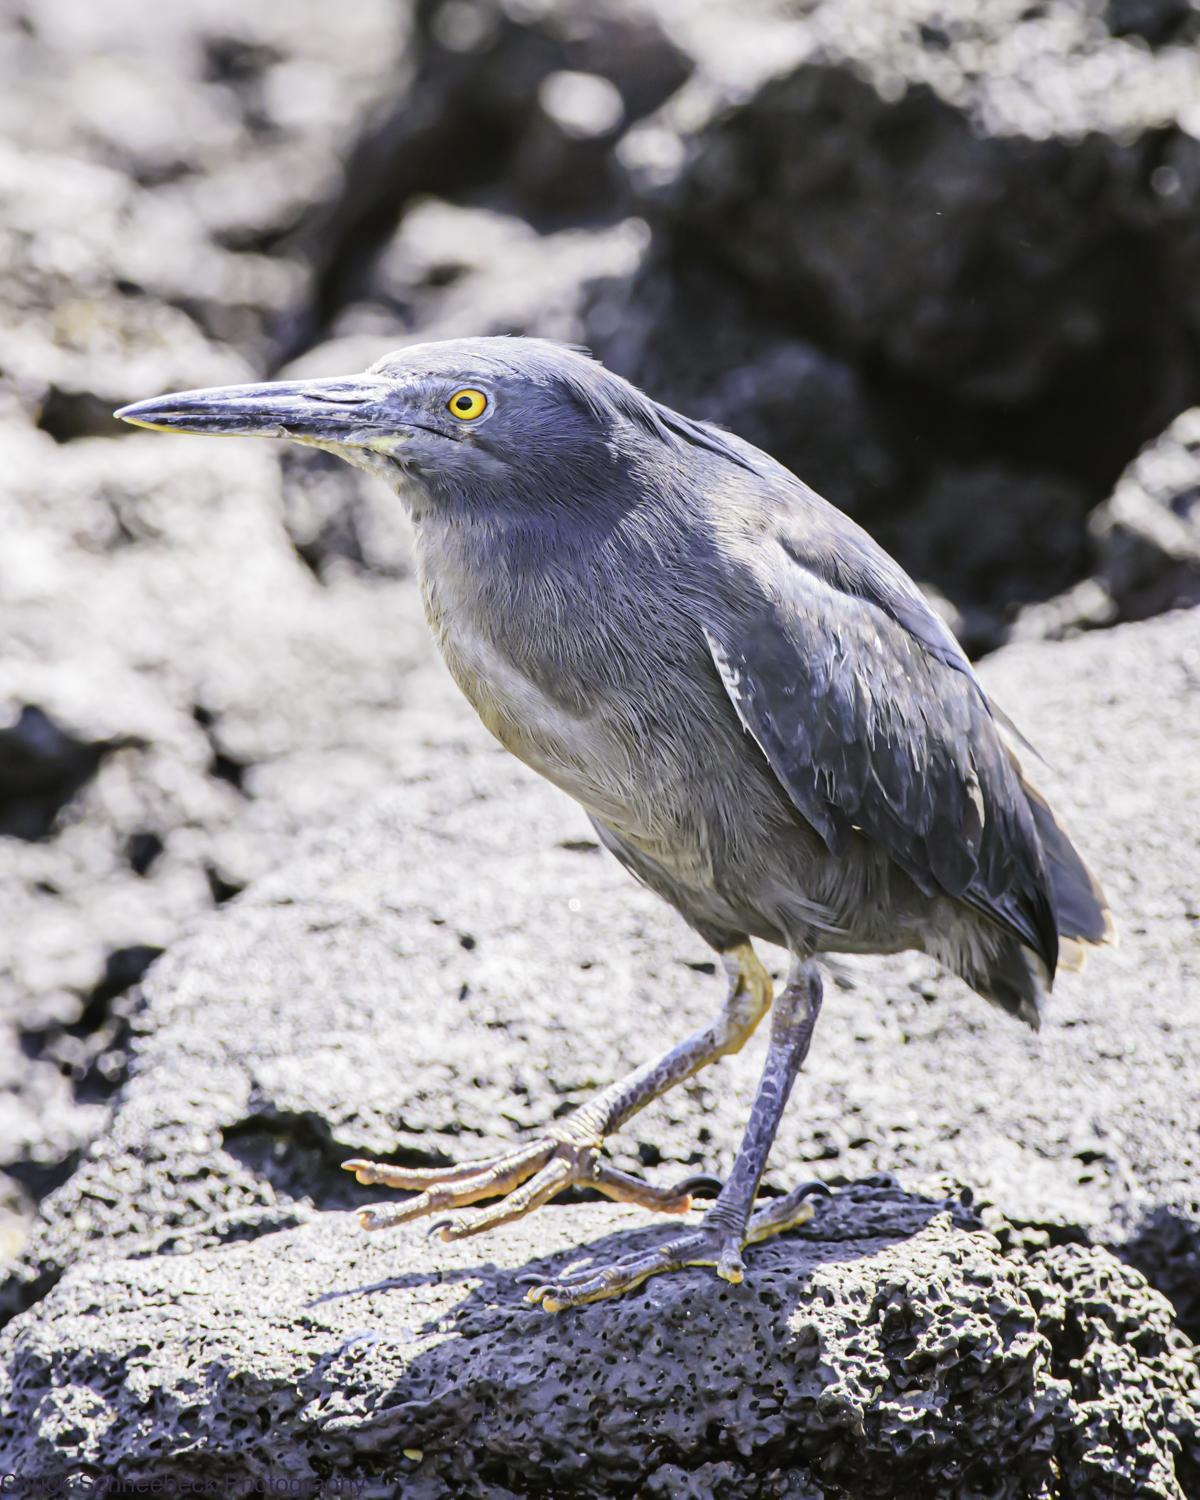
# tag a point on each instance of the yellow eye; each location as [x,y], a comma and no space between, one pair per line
[467,404]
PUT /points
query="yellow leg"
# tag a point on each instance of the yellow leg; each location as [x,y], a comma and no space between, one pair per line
[568,1154]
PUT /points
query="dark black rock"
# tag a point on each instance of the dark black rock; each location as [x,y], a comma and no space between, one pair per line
[42,766]
[906,1356]
[1003,252]
[1143,542]
[1161,23]
[1147,536]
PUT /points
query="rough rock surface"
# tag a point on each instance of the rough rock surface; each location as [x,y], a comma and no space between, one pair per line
[175,212]
[151,175]
[456,272]
[181,696]
[368,998]
[311,1013]
[889,1348]
[179,155]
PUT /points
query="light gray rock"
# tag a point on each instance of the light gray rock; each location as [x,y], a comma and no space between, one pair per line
[178,697]
[371,998]
[151,173]
[233,118]
[453,272]
[78,335]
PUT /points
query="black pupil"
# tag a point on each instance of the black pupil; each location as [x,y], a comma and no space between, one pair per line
[464,403]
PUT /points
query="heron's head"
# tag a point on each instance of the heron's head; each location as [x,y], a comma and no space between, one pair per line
[481,423]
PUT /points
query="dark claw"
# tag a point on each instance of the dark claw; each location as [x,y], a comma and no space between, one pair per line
[701,1180]
[820,1189]
[433,1230]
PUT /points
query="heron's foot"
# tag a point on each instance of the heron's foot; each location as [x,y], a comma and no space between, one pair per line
[713,1243]
[523,1179]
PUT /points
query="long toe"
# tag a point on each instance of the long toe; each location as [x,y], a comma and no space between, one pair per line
[497,1178]
[417,1179]
[713,1243]
[523,1179]
[538,1190]
[628,1189]
[716,1246]
[781,1214]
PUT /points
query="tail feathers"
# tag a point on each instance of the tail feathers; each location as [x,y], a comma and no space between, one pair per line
[1080,908]
[1015,979]
[1011,975]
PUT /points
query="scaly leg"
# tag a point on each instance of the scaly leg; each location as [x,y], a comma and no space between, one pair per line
[728,1227]
[529,1176]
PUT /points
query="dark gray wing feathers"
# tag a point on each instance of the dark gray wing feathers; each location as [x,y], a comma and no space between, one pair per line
[875,724]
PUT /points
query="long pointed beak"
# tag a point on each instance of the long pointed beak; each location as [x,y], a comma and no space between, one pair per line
[331,411]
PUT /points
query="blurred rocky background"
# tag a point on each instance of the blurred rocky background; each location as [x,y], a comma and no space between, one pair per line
[940,256]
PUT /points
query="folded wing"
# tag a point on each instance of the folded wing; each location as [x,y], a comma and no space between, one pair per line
[872,720]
